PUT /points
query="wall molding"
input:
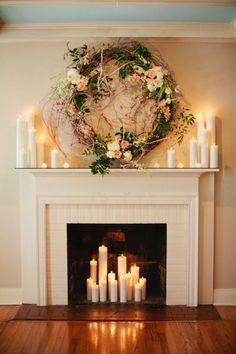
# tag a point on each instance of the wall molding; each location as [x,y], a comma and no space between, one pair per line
[178,31]
[10,296]
[225,296]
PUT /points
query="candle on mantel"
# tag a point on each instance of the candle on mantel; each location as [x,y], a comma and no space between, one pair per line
[122,265]
[137,292]
[21,141]
[143,282]
[214,156]
[22,158]
[103,290]
[204,148]
[192,153]
[134,274]
[111,277]
[102,262]
[123,293]
[54,158]
[200,126]
[40,151]
[29,116]
[89,288]
[66,165]
[93,270]
[129,286]
[44,165]
[32,147]
[180,165]
[114,287]
[171,158]
[210,125]
[95,293]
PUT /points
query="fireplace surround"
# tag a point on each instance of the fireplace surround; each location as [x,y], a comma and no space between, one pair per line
[51,199]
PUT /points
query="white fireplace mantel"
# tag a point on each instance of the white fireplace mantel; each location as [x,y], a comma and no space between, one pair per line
[155,195]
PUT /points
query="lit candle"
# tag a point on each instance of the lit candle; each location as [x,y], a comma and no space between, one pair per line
[143,282]
[210,125]
[95,293]
[89,288]
[93,270]
[54,158]
[171,158]
[22,163]
[40,151]
[214,156]
[192,153]
[204,148]
[156,165]
[102,262]
[31,148]
[103,290]
[111,277]
[123,293]
[137,292]
[198,165]
[29,116]
[66,165]
[134,274]
[129,286]
[180,165]
[114,287]
[21,140]
[200,126]
[44,165]
[122,265]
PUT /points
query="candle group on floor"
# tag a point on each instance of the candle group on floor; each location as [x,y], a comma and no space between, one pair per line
[203,151]
[103,286]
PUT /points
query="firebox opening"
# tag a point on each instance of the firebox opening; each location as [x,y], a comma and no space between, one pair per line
[142,244]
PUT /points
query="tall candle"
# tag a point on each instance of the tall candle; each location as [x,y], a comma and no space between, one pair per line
[95,293]
[21,139]
[137,292]
[129,286]
[134,274]
[143,282]
[214,156]
[54,158]
[93,270]
[171,158]
[210,125]
[114,287]
[200,126]
[122,265]
[31,148]
[123,293]
[102,262]
[29,116]
[111,277]
[40,151]
[103,290]
[204,148]
[192,152]
[89,288]
[22,162]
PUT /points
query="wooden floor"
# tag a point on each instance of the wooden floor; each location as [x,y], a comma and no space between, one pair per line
[29,337]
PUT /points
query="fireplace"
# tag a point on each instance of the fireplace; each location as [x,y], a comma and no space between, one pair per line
[143,245]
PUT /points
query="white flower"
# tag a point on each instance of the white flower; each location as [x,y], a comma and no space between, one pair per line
[73,76]
[138,69]
[113,145]
[152,85]
[127,156]
[168,101]
[110,154]
[168,90]
[82,83]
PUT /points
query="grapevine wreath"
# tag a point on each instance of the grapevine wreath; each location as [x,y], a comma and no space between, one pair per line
[94,80]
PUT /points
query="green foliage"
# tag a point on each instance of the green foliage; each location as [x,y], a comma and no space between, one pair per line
[181,123]
[79,101]
[102,166]
[142,51]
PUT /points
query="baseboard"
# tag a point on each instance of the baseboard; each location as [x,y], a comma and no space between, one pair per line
[225,296]
[10,296]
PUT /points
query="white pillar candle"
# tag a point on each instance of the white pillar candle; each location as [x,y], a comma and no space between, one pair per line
[200,126]
[21,139]
[123,293]
[143,282]
[32,148]
[129,286]
[180,165]
[40,151]
[93,270]
[111,277]
[89,288]
[122,265]
[22,163]
[29,116]
[210,125]
[137,292]
[95,293]
[214,156]
[134,274]
[102,262]
[54,158]
[66,165]
[204,148]
[171,158]
[103,290]
[113,285]
[192,153]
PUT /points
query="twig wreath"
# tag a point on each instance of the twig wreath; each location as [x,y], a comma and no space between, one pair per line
[95,77]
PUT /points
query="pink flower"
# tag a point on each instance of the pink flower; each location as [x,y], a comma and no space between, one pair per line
[151,74]
[124,144]
[117,154]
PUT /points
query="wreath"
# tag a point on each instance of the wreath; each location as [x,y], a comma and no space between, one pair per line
[90,87]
